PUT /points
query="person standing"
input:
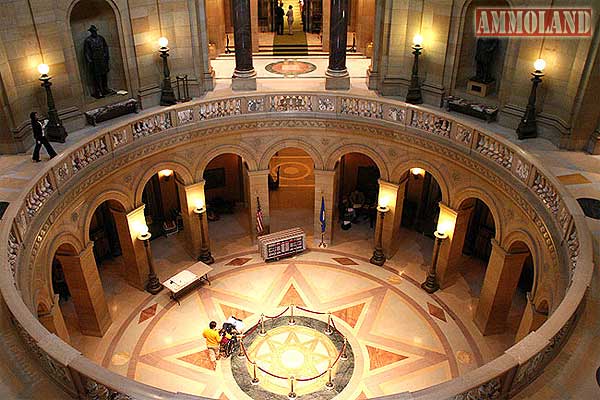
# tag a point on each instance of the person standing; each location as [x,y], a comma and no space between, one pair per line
[40,138]
[279,13]
[290,19]
[211,334]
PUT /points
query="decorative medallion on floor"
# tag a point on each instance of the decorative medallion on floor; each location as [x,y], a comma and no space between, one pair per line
[302,351]
[291,68]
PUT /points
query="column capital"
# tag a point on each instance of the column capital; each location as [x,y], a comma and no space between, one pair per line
[324,172]
[196,185]
[388,185]
[89,247]
[259,172]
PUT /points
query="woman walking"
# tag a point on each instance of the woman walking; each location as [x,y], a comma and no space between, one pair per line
[290,18]
[40,138]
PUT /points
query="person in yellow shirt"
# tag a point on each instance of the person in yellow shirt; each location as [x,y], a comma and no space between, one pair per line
[211,334]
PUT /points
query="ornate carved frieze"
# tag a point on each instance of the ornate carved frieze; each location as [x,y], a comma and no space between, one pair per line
[326,104]
[522,170]
[119,138]
[463,134]
[495,151]
[490,390]
[431,123]
[551,199]
[361,108]
[256,104]
[97,391]
[88,153]
[573,245]
[397,114]
[38,196]
[185,116]
[290,103]
[220,109]
[151,125]
[13,253]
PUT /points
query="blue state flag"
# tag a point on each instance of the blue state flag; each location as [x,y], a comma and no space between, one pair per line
[322,216]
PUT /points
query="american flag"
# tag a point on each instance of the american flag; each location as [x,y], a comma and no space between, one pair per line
[259,217]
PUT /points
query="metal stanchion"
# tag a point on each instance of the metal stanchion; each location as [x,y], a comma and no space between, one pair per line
[328,330]
[329,384]
[292,395]
[254,377]
[241,354]
[292,321]
[262,331]
[344,355]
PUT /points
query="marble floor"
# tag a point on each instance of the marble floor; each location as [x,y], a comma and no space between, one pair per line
[402,338]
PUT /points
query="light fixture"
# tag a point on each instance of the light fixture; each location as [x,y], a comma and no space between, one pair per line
[43,69]
[414,95]
[444,227]
[163,42]
[528,126]
[417,172]
[417,40]
[153,286]
[199,206]
[379,257]
[205,256]
[165,173]
[143,232]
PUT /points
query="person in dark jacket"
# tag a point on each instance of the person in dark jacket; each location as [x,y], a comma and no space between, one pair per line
[40,139]
[279,13]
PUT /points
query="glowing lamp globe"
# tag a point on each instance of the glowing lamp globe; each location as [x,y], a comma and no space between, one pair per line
[163,42]
[43,69]
[143,229]
[199,206]
[418,40]
[539,64]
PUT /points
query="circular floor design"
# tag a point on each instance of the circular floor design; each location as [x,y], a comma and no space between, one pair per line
[291,67]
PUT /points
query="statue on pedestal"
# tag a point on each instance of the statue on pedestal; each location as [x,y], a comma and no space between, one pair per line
[484,57]
[96,55]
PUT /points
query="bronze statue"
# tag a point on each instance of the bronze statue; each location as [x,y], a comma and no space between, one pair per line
[484,56]
[96,55]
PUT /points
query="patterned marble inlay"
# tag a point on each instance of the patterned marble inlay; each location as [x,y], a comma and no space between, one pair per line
[350,315]
[239,261]
[380,358]
[573,179]
[344,261]
[292,297]
[147,313]
[436,312]
[199,359]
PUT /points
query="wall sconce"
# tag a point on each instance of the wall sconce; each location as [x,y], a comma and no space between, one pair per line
[414,95]
[167,95]
[205,256]
[417,172]
[165,174]
[153,286]
[528,125]
[54,129]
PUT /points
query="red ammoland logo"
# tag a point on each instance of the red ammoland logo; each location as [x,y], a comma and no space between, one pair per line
[531,22]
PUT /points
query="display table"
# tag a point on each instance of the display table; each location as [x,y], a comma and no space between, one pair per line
[187,280]
[282,244]
[477,110]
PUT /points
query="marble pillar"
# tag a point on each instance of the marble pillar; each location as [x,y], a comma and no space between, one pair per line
[135,263]
[393,196]
[258,188]
[83,280]
[451,251]
[188,197]
[53,321]
[499,285]
[336,76]
[325,184]
[244,75]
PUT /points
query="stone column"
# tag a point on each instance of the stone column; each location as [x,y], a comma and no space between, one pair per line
[451,251]
[532,319]
[258,183]
[87,292]
[324,188]
[501,279]
[188,196]
[244,75]
[336,76]
[391,195]
[53,321]
[135,265]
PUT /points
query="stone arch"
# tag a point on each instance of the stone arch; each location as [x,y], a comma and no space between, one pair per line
[520,238]
[287,143]
[244,153]
[437,174]
[182,171]
[362,149]
[79,12]
[115,195]
[66,240]
[490,202]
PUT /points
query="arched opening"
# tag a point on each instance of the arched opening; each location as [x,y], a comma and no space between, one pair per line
[522,291]
[226,194]
[104,233]
[162,204]
[100,14]
[291,190]
[422,197]
[355,214]
[477,246]
[480,59]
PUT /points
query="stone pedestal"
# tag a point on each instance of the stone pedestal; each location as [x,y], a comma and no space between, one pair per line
[501,278]
[188,196]
[244,75]
[53,321]
[243,80]
[393,196]
[258,187]
[451,250]
[87,292]
[324,189]
[135,265]
[336,76]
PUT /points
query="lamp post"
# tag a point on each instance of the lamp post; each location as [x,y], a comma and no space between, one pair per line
[431,284]
[205,255]
[55,131]
[167,95]
[153,286]
[414,95]
[528,125]
[378,257]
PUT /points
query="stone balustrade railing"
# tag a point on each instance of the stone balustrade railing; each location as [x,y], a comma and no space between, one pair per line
[504,376]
